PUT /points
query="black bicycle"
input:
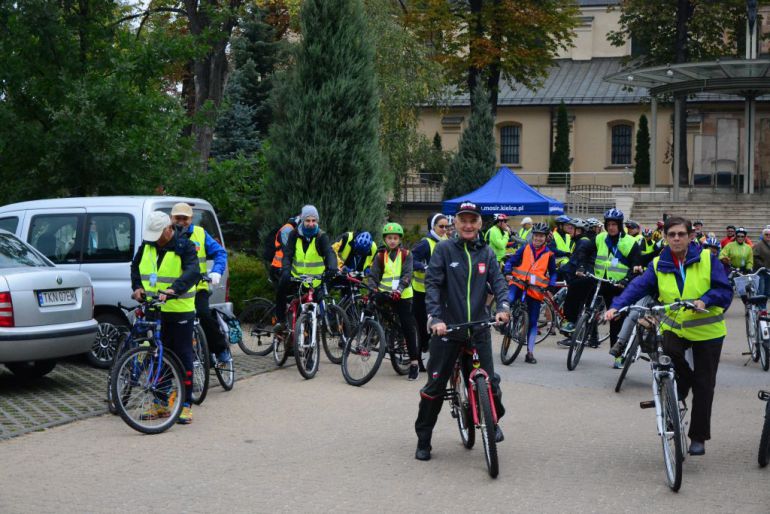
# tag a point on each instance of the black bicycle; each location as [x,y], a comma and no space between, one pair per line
[587,325]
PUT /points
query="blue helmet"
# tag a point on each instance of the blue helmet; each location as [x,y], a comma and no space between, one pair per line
[614,215]
[712,242]
[362,244]
[562,219]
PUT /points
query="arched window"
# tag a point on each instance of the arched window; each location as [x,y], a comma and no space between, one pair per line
[621,143]
[510,144]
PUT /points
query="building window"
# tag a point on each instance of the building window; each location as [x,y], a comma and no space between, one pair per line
[621,144]
[510,144]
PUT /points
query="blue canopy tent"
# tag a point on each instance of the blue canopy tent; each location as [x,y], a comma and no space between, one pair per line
[508,194]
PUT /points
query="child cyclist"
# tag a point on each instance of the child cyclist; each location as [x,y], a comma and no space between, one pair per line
[533,265]
[392,273]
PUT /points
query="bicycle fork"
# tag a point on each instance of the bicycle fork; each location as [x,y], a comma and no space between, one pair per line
[310,308]
[477,370]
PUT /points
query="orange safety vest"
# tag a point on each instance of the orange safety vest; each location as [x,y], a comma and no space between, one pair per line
[532,272]
[278,257]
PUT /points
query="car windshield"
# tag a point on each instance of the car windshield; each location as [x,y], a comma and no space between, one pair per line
[15,254]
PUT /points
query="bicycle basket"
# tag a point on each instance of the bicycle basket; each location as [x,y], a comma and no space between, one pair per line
[741,283]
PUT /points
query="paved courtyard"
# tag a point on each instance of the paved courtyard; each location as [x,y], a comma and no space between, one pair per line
[280,443]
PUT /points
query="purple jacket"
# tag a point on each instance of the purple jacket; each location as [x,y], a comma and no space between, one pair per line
[720,294]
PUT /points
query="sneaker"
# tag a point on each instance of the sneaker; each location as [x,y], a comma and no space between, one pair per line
[617,349]
[530,359]
[278,328]
[499,436]
[155,411]
[224,357]
[414,372]
[186,417]
[617,363]
[567,342]
[567,326]
[422,453]
[697,447]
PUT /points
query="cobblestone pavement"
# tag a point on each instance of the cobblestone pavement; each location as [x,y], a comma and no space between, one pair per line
[74,390]
[280,443]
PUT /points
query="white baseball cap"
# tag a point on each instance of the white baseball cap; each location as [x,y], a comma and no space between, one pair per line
[526,220]
[156,223]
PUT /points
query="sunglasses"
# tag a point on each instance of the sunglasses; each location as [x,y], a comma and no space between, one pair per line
[442,226]
[677,234]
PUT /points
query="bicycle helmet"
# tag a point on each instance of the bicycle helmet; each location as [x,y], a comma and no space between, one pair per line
[592,222]
[562,219]
[632,224]
[712,242]
[740,230]
[697,222]
[614,215]
[392,228]
[647,232]
[578,223]
[500,217]
[540,228]
[362,244]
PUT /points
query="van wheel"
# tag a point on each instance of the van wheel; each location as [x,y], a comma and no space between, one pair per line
[31,369]
[108,335]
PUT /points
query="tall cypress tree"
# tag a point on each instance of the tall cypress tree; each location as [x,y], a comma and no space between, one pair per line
[560,161]
[324,143]
[475,161]
[642,155]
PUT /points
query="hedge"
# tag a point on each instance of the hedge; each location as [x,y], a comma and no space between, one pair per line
[248,278]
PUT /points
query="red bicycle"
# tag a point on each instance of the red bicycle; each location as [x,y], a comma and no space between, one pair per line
[470,397]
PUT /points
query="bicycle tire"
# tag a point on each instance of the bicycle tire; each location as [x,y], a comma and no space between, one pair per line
[201,366]
[487,425]
[462,406]
[280,353]
[545,322]
[257,321]
[141,360]
[225,372]
[764,356]
[334,332]
[751,334]
[630,359]
[125,344]
[306,349]
[399,354]
[764,440]
[515,337]
[673,456]
[368,341]
[601,323]
[578,341]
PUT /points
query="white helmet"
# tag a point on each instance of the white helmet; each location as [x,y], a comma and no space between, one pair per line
[526,220]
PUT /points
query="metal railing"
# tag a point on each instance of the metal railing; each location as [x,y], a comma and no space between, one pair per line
[617,178]
[421,188]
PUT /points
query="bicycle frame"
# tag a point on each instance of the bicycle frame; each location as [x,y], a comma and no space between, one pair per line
[477,370]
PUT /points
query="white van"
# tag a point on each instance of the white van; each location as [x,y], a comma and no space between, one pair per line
[100,235]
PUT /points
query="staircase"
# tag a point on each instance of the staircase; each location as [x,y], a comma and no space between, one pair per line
[717,212]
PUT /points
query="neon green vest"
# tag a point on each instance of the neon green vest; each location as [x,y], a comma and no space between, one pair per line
[418,277]
[344,251]
[198,237]
[687,324]
[563,244]
[391,274]
[647,248]
[307,263]
[170,270]
[604,267]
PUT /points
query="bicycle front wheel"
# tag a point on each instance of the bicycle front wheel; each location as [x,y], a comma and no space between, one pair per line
[764,440]
[257,321]
[148,392]
[201,366]
[399,354]
[515,337]
[751,333]
[545,322]
[579,340]
[673,453]
[363,353]
[630,357]
[487,425]
[334,333]
[462,410]
[225,372]
[764,355]
[306,350]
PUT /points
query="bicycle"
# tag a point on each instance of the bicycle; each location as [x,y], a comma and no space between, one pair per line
[669,415]
[587,323]
[633,351]
[365,349]
[745,286]
[764,440]
[147,382]
[231,330]
[551,312]
[470,398]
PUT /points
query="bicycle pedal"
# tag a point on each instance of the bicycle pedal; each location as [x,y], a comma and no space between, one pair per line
[644,358]
[650,404]
[746,353]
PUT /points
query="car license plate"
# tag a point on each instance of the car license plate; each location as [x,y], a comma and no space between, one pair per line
[58,297]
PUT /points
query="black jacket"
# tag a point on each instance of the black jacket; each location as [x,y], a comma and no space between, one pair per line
[583,256]
[449,296]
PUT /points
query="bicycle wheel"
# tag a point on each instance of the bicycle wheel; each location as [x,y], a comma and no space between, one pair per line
[306,349]
[125,344]
[201,366]
[398,353]
[225,372]
[671,437]
[602,325]
[764,355]
[334,332]
[487,425]
[257,321]
[461,410]
[632,353]
[363,353]
[751,333]
[147,391]
[515,337]
[280,354]
[579,339]
[764,441]
[545,322]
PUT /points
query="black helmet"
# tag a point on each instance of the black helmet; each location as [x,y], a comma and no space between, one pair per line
[540,228]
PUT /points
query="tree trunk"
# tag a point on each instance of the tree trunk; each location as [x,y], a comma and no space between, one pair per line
[493,77]
[684,11]
[477,26]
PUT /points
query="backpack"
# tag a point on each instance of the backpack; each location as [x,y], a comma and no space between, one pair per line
[268,245]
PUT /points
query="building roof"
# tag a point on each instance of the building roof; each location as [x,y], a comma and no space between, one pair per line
[598,3]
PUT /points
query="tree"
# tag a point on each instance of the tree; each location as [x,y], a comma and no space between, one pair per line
[325,149]
[560,159]
[475,161]
[482,41]
[642,155]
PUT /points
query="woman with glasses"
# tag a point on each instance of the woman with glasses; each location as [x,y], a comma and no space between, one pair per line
[738,253]
[421,253]
[686,271]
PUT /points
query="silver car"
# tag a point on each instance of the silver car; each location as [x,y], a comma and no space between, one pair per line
[45,312]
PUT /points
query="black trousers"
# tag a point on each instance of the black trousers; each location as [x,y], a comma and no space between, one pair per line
[403,309]
[177,334]
[702,379]
[209,324]
[577,294]
[609,292]
[421,319]
[281,296]
[443,355]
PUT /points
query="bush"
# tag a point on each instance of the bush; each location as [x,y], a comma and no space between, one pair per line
[248,278]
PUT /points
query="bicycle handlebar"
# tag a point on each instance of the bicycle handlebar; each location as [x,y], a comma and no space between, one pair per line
[659,310]
[471,324]
[737,272]
[607,280]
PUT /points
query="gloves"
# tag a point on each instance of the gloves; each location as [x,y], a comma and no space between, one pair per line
[395,296]
[215,278]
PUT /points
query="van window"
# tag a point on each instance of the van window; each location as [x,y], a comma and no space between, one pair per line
[57,236]
[109,238]
[10,223]
[203,218]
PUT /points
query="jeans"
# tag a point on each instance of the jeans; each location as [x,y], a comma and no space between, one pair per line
[177,336]
[630,320]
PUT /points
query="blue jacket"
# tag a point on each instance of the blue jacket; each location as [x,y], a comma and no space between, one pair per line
[720,295]
[515,260]
[421,254]
[214,251]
